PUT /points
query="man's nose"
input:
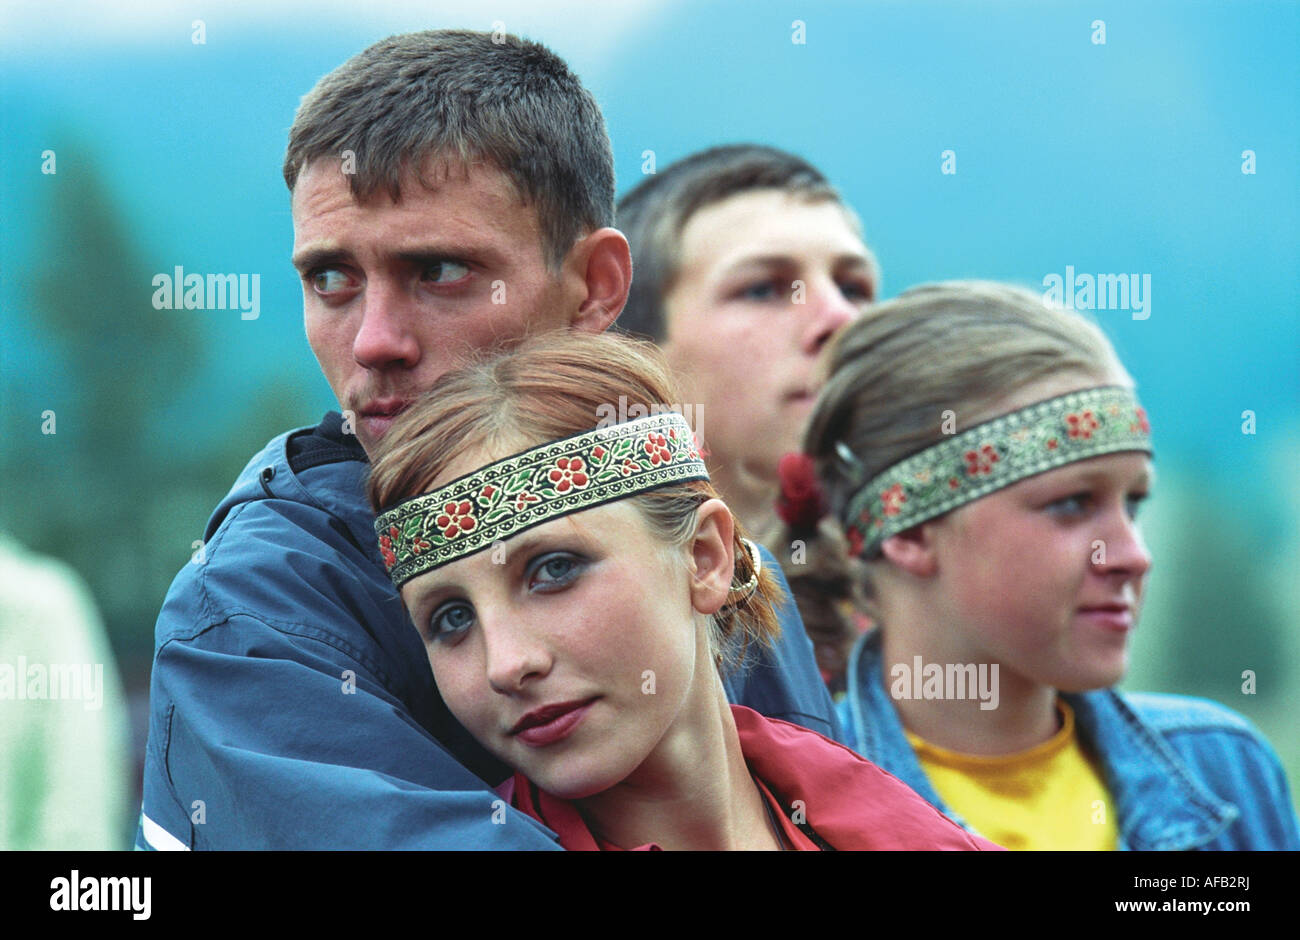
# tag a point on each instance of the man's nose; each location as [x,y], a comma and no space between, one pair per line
[385,337]
[830,312]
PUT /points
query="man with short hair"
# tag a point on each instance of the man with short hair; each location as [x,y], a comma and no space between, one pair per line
[747,263]
[449,192]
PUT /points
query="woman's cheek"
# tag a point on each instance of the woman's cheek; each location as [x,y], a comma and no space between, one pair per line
[457,694]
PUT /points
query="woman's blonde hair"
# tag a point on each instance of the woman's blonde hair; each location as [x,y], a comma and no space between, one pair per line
[894,374]
[551,386]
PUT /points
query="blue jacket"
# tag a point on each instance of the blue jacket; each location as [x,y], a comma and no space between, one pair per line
[291,702]
[1184,773]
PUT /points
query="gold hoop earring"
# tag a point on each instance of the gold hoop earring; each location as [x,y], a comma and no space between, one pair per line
[751,585]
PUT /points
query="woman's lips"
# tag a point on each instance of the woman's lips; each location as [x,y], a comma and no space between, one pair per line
[555,724]
[1119,619]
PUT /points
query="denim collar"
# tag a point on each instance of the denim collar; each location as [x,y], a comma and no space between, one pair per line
[1160,805]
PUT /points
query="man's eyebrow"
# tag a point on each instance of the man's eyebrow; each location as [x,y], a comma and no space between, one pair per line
[425,256]
[310,258]
[864,262]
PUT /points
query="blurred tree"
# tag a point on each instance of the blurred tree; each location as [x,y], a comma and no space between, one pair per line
[96,493]
[1226,611]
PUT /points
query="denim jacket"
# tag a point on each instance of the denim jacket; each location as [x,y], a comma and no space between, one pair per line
[1184,773]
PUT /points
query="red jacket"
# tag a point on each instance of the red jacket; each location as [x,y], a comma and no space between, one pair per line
[821,791]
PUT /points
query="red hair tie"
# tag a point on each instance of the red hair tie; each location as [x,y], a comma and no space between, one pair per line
[801,504]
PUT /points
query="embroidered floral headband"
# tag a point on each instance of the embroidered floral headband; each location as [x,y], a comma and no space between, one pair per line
[993,455]
[502,499]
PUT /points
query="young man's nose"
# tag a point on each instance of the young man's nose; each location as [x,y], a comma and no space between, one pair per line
[384,337]
[829,311]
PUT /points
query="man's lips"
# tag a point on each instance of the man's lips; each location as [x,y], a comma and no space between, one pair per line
[384,407]
[551,723]
[377,416]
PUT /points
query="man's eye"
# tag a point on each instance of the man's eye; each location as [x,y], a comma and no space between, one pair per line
[450,621]
[855,290]
[328,280]
[764,290]
[446,271]
[555,570]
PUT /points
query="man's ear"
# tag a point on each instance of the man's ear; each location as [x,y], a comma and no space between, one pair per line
[602,262]
[712,557]
[912,551]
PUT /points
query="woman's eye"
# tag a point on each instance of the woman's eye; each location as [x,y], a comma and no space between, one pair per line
[1072,505]
[446,271]
[1134,502]
[555,570]
[450,621]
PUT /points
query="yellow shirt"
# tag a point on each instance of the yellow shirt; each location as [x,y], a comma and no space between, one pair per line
[1051,796]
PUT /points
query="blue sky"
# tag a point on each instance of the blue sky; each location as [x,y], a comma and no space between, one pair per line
[1111,158]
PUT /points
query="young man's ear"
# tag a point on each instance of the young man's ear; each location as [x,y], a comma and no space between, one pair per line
[601,264]
[713,559]
[912,551]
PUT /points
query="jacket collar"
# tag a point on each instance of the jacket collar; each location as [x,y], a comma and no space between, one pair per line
[818,783]
[1160,803]
[283,470]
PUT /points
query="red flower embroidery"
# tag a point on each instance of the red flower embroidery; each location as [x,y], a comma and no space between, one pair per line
[597,452]
[454,519]
[855,542]
[419,545]
[386,549]
[953,483]
[892,499]
[1142,422]
[1052,444]
[981,461]
[656,447]
[568,473]
[1081,425]
[488,491]
[523,499]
